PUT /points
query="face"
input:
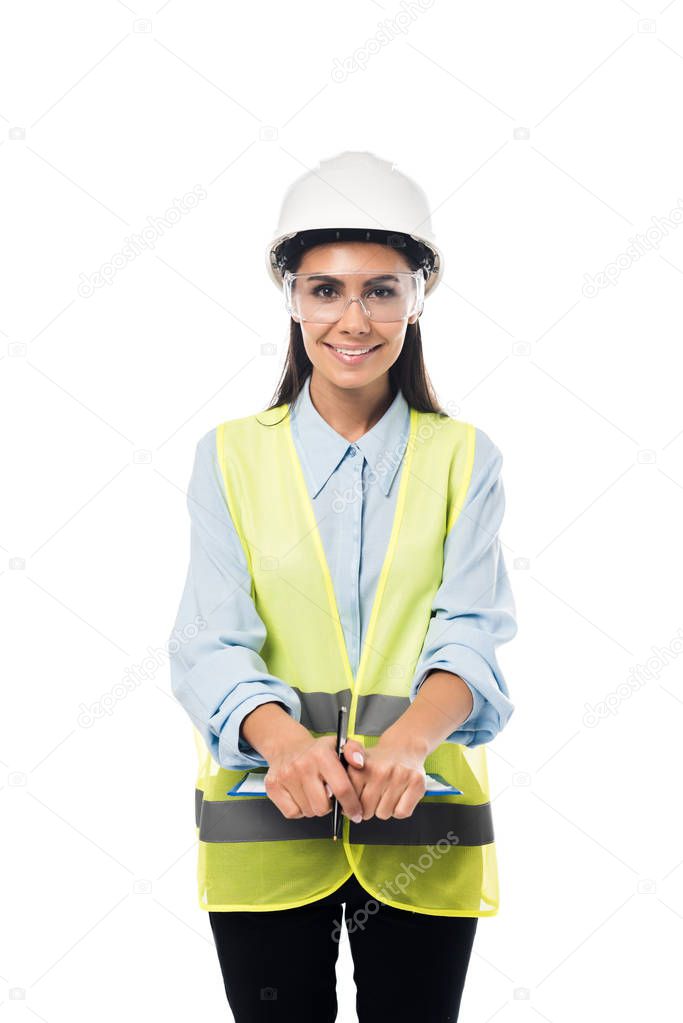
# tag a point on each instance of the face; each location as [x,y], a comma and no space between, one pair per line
[354,330]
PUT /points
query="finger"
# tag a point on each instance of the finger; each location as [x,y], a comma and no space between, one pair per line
[354,753]
[408,801]
[337,778]
[300,796]
[315,794]
[282,799]
[402,788]
[387,802]
[358,779]
[291,778]
[371,796]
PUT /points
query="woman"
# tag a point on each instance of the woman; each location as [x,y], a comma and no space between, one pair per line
[345,551]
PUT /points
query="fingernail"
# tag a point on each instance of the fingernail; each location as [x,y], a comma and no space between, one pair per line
[358,757]
[358,818]
[329,790]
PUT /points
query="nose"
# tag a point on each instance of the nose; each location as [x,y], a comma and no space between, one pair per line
[354,320]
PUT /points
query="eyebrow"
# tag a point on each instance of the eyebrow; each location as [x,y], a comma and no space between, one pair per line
[335,280]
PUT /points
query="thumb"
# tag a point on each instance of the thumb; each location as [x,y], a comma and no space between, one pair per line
[354,753]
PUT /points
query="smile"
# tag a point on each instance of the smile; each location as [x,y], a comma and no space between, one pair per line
[351,355]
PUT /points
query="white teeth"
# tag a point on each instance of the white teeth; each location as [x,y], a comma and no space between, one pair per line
[357,351]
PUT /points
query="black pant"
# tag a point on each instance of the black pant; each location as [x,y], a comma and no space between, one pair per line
[279,965]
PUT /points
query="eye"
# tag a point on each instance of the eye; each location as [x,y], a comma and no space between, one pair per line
[388,292]
[322,287]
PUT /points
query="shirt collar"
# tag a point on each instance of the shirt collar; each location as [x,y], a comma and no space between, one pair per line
[323,448]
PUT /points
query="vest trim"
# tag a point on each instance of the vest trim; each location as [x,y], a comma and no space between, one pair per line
[259,820]
[307,507]
[376,712]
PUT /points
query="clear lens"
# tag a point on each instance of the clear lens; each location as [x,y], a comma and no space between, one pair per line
[324,297]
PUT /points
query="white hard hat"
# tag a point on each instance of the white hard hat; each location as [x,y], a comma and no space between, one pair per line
[358,192]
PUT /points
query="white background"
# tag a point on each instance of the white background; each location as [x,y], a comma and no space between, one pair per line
[547,137]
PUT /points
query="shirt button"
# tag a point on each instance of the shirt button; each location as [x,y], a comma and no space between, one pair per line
[352,452]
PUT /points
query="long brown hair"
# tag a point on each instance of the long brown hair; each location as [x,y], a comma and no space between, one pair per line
[408,373]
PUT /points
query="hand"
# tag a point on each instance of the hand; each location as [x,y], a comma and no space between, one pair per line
[304,775]
[391,781]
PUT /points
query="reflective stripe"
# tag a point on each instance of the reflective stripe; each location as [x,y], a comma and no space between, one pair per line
[319,711]
[429,823]
[198,797]
[375,712]
[260,820]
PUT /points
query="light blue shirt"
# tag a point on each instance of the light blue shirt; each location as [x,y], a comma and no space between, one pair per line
[218,674]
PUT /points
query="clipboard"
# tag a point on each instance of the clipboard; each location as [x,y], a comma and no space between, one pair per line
[252,784]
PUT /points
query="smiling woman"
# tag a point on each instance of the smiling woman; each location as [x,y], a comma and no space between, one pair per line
[342,537]
[355,304]
[354,299]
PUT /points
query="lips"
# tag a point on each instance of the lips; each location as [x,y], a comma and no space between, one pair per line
[350,348]
[356,354]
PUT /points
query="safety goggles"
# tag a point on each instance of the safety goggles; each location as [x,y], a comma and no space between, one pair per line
[325,297]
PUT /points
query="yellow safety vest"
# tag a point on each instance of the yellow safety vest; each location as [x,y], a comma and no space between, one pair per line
[442,859]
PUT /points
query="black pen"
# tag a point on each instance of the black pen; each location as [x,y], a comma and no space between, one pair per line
[341,739]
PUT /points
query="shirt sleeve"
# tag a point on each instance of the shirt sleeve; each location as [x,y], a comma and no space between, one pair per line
[217,673]
[473,611]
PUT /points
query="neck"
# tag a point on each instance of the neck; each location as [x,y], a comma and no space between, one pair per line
[351,411]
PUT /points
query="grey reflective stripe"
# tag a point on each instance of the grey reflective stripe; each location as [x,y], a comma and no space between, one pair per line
[259,820]
[319,711]
[198,797]
[256,820]
[374,715]
[376,712]
[429,823]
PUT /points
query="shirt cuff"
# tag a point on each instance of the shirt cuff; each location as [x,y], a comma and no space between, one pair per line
[234,752]
[477,699]
[491,708]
